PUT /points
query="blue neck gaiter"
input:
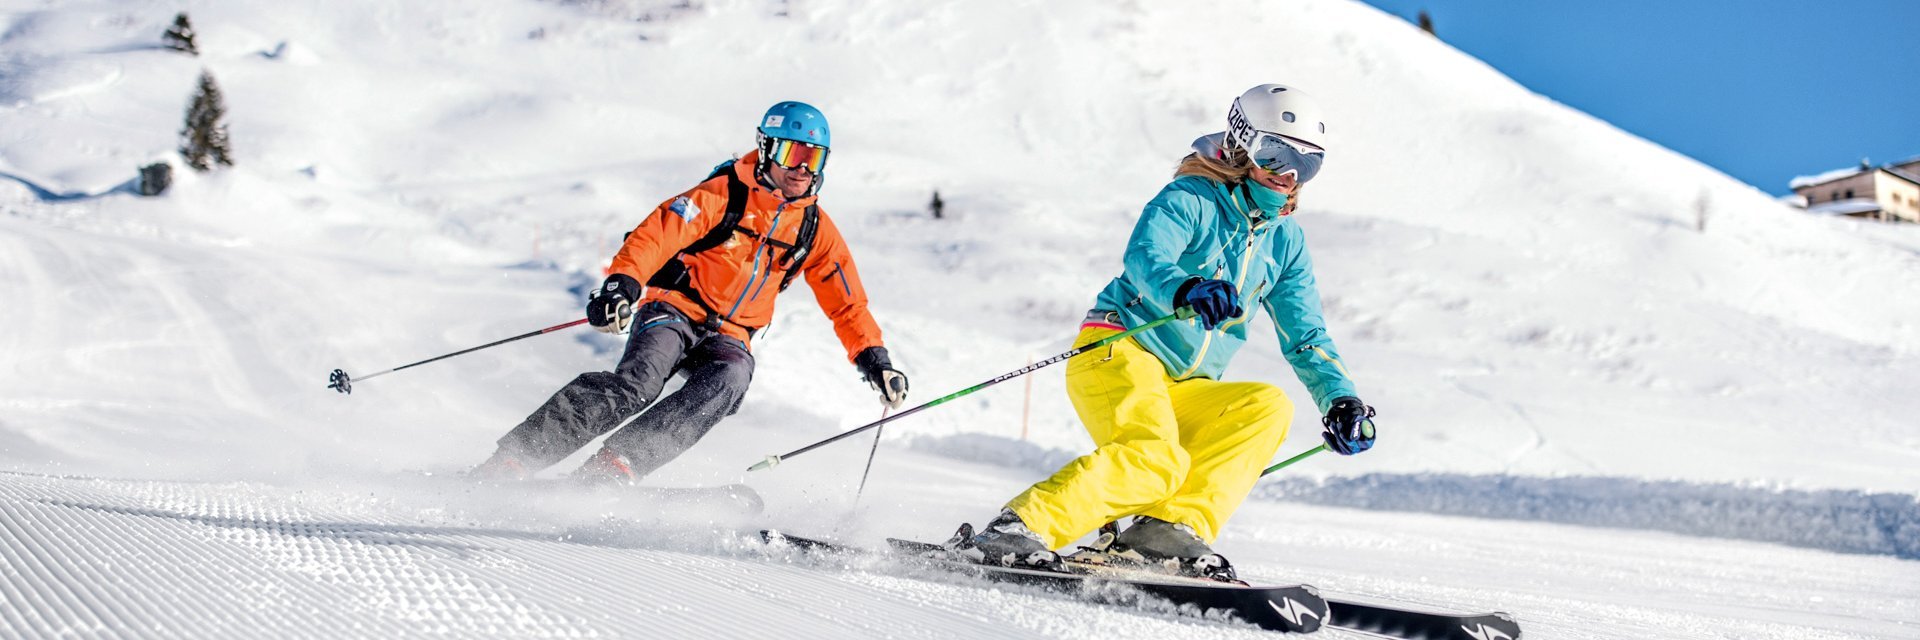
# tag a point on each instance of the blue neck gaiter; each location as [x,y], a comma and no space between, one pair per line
[1265,199]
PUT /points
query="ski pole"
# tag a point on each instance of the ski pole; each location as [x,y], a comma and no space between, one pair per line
[343,383]
[1182,314]
[870,455]
[1302,456]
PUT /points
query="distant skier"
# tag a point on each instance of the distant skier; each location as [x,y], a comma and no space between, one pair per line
[1176,447]
[713,259]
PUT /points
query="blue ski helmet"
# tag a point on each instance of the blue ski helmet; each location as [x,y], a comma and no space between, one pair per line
[792,127]
[796,121]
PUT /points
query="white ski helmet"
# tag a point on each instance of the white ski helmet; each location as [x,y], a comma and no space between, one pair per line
[1277,108]
[1299,131]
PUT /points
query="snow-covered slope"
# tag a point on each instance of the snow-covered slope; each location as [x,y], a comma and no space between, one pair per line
[118,558]
[1521,289]
[1519,286]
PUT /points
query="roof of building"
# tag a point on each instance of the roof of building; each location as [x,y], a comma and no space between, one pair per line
[1823,178]
[1845,207]
[1910,175]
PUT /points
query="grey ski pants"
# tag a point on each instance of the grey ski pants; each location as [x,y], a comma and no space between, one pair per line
[663,342]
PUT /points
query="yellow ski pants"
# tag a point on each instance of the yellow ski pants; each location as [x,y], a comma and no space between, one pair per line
[1183,451]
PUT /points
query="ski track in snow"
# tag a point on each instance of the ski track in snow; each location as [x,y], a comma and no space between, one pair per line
[120,558]
[104,558]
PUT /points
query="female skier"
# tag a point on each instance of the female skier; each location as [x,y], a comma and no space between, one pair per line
[1176,447]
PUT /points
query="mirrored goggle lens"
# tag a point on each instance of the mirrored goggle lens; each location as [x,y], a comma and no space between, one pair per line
[794,155]
[1281,154]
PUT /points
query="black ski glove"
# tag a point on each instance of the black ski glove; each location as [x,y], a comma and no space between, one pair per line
[610,307]
[1215,301]
[879,373]
[1349,426]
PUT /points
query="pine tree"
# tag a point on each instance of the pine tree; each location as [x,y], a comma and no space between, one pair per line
[204,142]
[179,37]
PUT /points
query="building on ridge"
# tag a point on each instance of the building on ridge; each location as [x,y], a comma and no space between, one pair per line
[1888,192]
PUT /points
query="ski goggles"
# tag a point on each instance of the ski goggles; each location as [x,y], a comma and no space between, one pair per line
[794,154]
[1280,154]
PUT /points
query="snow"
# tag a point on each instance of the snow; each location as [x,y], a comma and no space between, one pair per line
[1593,415]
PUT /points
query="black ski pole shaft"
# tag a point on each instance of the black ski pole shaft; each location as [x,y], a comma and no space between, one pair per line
[1183,313]
[870,455]
[343,383]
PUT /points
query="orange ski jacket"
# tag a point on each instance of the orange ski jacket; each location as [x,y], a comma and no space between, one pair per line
[739,279]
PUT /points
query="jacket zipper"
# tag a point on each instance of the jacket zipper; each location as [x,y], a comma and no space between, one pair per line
[1246,259]
[1248,316]
[760,249]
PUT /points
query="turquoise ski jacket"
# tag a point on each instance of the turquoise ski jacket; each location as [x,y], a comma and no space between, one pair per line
[1197,227]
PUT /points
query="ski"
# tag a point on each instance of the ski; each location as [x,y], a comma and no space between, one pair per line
[1403,621]
[1301,608]
[1292,608]
[1385,619]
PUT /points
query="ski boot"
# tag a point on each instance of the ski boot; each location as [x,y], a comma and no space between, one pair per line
[606,468]
[1006,541]
[502,467]
[1172,548]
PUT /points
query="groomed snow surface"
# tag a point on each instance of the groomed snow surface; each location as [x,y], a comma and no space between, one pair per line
[413,556]
[1621,395]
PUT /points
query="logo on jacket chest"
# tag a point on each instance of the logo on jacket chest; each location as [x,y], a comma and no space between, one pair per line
[685,208]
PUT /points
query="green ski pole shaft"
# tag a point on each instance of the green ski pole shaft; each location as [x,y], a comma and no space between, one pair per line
[1302,456]
[773,461]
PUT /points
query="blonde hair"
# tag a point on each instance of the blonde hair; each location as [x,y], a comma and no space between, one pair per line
[1233,170]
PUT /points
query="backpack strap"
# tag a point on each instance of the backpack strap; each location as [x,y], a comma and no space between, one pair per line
[736,208]
[802,245]
[673,275]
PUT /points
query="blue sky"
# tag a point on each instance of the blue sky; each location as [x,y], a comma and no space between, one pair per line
[1763,90]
